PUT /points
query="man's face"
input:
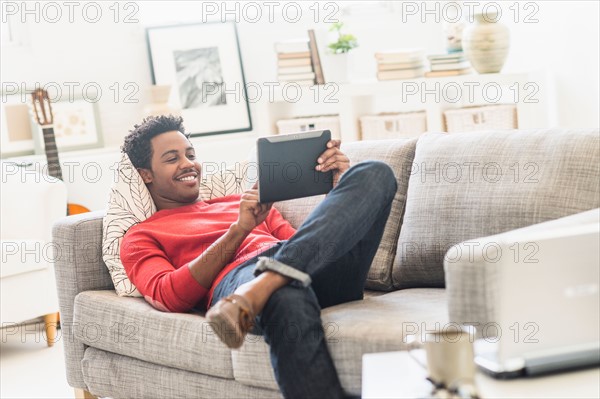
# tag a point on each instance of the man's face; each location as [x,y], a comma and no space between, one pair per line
[174,177]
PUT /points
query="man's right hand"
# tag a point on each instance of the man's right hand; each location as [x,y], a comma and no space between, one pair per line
[252,213]
[206,267]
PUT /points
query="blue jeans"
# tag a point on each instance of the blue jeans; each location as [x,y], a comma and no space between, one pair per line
[335,247]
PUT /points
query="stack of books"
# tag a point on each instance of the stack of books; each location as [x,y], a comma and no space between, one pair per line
[452,64]
[294,62]
[400,64]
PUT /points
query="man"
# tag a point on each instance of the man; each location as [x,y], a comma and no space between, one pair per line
[246,264]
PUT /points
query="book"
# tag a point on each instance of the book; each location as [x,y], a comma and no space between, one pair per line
[445,57]
[296,76]
[450,66]
[400,74]
[448,62]
[445,60]
[301,54]
[315,59]
[441,74]
[294,69]
[294,62]
[400,66]
[291,46]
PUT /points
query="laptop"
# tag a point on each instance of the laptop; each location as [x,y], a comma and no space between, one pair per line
[549,312]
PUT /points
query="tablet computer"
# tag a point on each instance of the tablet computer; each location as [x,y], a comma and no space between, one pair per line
[286,166]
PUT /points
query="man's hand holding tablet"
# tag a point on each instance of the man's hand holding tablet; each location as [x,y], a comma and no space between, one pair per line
[333,159]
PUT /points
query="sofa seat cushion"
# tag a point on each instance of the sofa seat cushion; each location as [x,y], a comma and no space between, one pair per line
[23,256]
[132,327]
[375,324]
[115,376]
[469,185]
[398,154]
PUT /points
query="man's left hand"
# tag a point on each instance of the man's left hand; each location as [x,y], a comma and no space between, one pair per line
[333,159]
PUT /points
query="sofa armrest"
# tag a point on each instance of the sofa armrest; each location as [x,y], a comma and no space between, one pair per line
[472,269]
[471,283]
[78,267]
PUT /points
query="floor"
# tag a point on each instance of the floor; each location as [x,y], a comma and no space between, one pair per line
[29,368]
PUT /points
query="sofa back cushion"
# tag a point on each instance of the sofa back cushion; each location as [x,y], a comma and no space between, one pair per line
[398,154]
[469,185]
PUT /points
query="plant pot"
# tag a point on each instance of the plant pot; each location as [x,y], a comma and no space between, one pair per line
[336,68]
[486,43]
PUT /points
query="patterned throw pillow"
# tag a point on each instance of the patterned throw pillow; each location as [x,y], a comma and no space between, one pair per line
[130,203]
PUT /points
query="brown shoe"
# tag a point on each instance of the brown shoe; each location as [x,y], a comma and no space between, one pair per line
[231,319]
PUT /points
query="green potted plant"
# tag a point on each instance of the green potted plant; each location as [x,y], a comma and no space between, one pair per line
[338,53]
[345,42]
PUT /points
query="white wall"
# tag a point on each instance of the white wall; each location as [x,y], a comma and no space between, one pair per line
[565,41]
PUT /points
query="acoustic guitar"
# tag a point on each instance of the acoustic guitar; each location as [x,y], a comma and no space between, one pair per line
[42,111]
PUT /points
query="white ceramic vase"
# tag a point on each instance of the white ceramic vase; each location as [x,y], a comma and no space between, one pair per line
[336,68]
[159,104]
[486,43]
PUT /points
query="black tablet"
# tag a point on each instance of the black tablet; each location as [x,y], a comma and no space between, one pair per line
[286,166]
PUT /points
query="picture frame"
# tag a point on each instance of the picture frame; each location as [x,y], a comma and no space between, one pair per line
[76,126]
[17,128]
[202,62]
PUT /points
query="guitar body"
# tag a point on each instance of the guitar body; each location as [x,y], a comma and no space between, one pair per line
[43,115]
[74,209]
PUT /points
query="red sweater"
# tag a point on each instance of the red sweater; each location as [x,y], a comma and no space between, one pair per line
[156,252]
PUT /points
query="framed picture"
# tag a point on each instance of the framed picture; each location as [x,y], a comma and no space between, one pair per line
[17,129]
[203,65]
[76,125]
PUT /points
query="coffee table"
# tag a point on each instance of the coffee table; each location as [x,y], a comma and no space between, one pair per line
[399,375]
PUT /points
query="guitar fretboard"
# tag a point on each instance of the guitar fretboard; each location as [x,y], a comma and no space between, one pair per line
[54,168]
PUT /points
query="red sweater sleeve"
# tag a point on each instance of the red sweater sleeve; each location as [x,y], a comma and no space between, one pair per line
[278,226]
[165,287]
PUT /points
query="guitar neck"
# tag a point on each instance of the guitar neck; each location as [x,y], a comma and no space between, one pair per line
[54,168]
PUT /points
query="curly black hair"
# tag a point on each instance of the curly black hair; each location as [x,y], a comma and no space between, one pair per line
[137,143]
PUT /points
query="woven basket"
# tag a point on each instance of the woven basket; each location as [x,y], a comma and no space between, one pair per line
[469,119]
[295,125]
[393,125]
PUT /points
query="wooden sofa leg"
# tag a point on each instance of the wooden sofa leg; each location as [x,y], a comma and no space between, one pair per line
[83,394]
[51,322]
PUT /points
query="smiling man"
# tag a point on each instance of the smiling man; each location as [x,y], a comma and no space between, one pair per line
[244,263]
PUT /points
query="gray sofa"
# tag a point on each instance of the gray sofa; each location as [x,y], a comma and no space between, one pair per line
[451,188]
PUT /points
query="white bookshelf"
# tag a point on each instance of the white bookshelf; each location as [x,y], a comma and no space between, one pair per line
[529,91]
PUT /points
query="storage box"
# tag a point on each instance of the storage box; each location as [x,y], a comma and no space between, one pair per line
[320,122]
[495,117]
[393,125]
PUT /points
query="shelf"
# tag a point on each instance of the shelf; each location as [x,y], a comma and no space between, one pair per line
[374,87]
[432,95]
